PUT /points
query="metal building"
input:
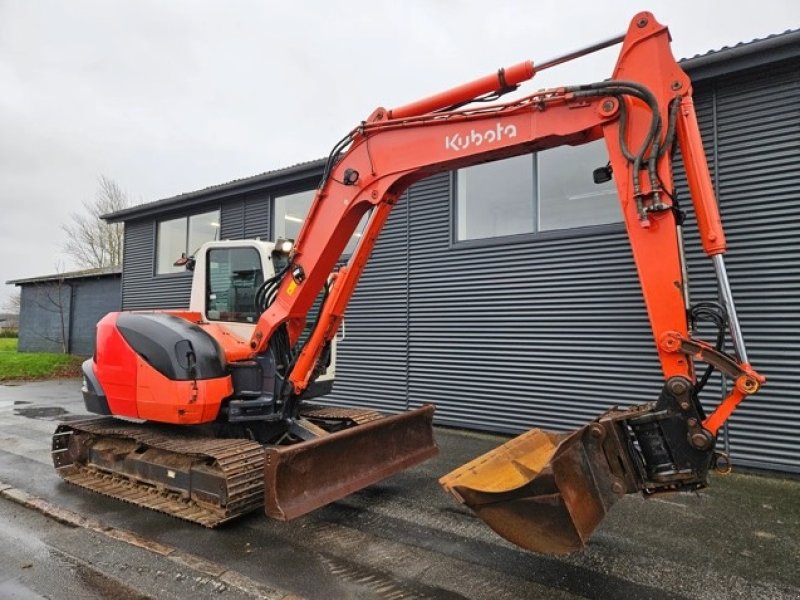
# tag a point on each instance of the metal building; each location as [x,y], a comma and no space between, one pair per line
[58,313]
[505,329]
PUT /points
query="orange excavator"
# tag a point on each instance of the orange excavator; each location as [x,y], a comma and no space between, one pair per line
[227,422]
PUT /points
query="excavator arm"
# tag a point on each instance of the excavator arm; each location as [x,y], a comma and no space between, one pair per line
[543,491]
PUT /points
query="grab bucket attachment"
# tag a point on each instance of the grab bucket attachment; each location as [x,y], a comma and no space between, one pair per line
[311,474]
[545,491]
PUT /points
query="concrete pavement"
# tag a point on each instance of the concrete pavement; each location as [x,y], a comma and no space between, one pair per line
[405,538]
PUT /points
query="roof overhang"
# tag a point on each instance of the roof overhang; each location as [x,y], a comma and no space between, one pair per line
[742,57]
[306,172]
[71,275]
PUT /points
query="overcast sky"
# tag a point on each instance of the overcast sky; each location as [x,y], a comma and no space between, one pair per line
[167,97]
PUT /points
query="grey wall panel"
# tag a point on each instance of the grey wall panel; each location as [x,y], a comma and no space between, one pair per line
[92,299]
[372,362]
[548,330]
[232,225]
[142,289]
[257,217]
[752,137]
[523,332]
[44,317]
[758,168]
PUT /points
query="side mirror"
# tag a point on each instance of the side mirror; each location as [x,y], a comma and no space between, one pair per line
[602,174]
[185,261]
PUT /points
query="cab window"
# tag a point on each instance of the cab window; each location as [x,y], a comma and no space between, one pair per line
[233,277]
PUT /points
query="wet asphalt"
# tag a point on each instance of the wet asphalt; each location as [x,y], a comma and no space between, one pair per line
[404,538]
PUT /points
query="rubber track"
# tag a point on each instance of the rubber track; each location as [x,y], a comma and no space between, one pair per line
[241,461]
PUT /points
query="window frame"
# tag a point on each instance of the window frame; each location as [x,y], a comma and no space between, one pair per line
[297,190]
[519,238]
[186,217]
[290,191]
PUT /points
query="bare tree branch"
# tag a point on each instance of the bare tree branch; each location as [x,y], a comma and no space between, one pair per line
[91,242]
[13,303]
[53,297]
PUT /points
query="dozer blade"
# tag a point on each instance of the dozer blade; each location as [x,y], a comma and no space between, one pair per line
[311,474]
[544,491]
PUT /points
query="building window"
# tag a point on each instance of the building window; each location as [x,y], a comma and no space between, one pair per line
[548,190]
[497,198]
[184,236]
[568,197]
[291,211]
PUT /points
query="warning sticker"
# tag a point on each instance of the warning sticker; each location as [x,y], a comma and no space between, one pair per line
[291,288]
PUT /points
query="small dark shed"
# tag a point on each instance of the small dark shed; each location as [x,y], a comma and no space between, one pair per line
[58,313]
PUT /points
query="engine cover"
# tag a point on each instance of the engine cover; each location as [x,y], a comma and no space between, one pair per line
[158,367]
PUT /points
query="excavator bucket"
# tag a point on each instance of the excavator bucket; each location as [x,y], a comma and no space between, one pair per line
[311,474]
[545,491]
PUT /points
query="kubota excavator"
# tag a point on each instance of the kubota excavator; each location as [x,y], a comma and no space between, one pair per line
[227,420]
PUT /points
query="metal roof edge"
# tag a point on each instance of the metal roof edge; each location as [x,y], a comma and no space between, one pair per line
[743,56]
[82,274]
[282,176]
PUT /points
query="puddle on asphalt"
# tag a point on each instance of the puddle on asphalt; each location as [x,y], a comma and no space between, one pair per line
[41,412]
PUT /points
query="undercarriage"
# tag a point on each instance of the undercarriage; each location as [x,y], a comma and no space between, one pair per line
[190,474]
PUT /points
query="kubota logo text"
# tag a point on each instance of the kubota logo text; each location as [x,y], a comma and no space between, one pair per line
[459,142]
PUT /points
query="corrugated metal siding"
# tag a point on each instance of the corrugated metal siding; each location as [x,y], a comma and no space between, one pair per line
[92,299]
[531,332]
[758,163]
[372,363]
[242,217]
[232,224]
[548,332]
[257,217]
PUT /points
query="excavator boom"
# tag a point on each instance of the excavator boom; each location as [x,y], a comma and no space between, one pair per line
[546,492]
